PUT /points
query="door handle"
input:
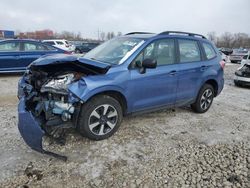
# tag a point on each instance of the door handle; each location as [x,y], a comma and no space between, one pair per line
[203,67]
[172,73]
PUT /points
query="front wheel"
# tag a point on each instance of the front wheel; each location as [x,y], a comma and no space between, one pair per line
[100,117]
[204,99]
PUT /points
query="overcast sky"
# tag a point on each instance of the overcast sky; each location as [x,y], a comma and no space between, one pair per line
[201,16]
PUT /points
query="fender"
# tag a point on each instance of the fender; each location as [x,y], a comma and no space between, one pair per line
[101,90]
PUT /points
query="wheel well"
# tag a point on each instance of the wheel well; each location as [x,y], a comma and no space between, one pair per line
[118,96]
[214,84]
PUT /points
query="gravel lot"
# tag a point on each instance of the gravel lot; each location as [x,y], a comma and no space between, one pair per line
[170,148]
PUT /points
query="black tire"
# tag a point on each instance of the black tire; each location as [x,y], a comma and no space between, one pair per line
[202,103]
[236,83]
[88,117]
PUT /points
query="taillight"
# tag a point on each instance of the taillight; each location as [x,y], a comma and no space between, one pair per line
[222,64]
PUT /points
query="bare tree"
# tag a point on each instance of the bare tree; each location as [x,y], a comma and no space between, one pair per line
[212,36]
[102,36]
[119,33]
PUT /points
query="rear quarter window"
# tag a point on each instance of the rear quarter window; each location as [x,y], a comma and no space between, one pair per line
[209,50]
[59,42]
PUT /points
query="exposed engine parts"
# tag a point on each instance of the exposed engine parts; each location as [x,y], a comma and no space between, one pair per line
[47,98]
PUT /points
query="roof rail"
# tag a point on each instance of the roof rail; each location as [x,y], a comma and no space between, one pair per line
[182,33]
[138,33]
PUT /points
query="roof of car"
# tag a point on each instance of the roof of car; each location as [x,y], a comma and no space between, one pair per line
[54,40]
[146,35]
[18,40]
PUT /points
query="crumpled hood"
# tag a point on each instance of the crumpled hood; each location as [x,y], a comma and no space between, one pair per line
[60,62]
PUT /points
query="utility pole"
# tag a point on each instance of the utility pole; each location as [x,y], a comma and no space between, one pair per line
[98,33]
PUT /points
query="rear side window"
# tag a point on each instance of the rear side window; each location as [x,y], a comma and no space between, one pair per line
[10,47]
[189,51]
[59,42]
[209,50]
[33,47]
[50,42]
[50,48]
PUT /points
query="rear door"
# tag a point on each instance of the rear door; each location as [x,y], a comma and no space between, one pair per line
[9,56]
[156,87]
[191,68]
[30,51]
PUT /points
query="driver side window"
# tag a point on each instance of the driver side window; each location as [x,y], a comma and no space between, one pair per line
[163,51]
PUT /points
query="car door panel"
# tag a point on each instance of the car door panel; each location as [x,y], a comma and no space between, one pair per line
[189,79]
[9,55]
[191,69]
[9,60]
[155,88]
[28,57]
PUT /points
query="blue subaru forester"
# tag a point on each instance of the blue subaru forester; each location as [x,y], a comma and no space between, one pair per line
[137,72]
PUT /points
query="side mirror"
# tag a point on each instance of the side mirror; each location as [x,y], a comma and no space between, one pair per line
[148,64]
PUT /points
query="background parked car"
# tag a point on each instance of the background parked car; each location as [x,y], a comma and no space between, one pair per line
[85,47]
[242,75]
[16,55]
[238,55]
[226,51]
[60,43]
[245,60]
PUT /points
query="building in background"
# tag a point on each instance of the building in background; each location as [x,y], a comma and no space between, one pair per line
[7,34]
[43,34]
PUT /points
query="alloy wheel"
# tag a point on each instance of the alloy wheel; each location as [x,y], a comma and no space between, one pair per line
[103,119]
[206,99]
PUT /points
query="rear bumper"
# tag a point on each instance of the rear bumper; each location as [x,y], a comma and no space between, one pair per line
[31,131]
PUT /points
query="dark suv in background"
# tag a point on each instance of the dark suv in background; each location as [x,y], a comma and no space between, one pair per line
[85,47]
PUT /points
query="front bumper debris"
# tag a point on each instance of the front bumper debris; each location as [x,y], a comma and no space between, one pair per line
[31,131]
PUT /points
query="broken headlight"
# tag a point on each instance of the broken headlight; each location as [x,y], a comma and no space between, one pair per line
[59,84]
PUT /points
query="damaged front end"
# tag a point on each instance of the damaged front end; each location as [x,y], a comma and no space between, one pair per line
[46,104]
[242,75]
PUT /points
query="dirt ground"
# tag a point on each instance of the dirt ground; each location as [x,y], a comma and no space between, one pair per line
[169,148]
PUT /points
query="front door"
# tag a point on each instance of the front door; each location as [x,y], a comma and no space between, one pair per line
[9,56]
[156,87]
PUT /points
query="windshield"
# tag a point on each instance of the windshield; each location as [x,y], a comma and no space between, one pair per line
[115,51]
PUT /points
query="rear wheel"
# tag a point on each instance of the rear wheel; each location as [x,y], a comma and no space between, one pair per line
[100,117]
[204,99]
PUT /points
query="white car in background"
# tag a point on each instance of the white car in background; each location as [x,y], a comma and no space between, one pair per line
[245,60]
[60,43]
[238,55]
